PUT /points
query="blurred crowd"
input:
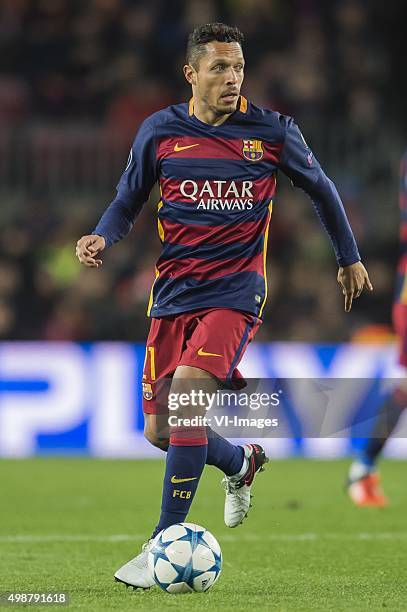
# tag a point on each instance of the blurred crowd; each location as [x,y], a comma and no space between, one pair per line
[113,62]
[119,60]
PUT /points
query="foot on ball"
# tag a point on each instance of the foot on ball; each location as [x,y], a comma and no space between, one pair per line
[135,572]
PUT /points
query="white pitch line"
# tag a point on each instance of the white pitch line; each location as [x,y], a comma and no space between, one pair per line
[60,537]
[248,537]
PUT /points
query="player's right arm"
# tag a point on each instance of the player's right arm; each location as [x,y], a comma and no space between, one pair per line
[133,191]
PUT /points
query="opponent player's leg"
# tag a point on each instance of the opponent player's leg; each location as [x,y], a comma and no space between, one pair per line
[363,480]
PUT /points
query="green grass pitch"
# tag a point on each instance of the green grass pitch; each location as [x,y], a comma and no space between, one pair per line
[67,524]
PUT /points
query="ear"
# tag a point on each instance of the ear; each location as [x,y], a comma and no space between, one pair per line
[190,74]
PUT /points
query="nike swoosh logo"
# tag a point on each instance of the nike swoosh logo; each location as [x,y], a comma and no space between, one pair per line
[177,148]
[176,480]
[202,353]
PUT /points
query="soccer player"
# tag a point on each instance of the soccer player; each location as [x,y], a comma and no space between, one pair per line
[363,480]
[216,160]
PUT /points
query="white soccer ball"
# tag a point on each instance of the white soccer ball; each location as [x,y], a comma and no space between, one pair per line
[184,558]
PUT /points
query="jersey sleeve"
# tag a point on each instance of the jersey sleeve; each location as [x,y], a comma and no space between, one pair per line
[300,165]
[133,189]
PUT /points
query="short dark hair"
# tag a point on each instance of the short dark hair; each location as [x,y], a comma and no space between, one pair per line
[208,33]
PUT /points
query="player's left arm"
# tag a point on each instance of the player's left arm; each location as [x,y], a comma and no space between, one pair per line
[299,164]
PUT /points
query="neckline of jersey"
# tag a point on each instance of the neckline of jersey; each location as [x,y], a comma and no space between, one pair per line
[241,108]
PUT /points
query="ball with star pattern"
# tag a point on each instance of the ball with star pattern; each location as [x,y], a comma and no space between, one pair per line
[185,557]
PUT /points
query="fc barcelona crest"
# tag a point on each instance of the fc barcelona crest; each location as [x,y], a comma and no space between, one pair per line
[253,150]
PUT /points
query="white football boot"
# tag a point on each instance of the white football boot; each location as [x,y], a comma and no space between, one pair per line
[238,487]
[135,572]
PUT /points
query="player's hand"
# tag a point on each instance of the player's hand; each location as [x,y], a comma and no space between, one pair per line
[353,279]
[87,248]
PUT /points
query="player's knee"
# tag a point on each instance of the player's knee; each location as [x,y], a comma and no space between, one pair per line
[155,440]
[156,431]
[190,373]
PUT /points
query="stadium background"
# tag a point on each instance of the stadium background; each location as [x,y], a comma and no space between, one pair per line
[76,79]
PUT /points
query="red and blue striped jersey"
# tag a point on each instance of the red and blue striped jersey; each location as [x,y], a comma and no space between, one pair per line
[401,282]
[217,185]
